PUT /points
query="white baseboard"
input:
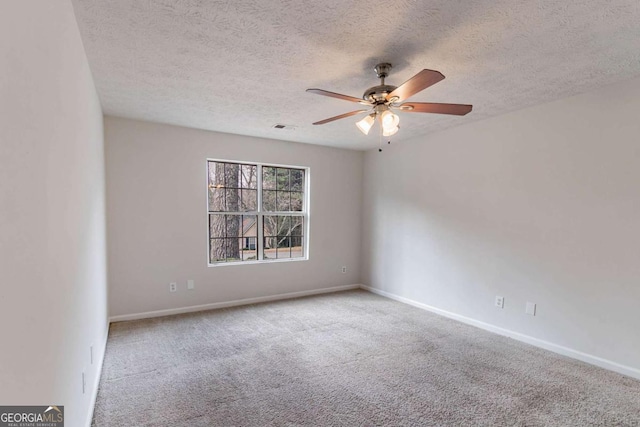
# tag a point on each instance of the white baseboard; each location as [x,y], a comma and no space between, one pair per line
[234,303]
[565,351]
[96,380]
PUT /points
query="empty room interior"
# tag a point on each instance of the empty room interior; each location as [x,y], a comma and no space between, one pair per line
[330,213]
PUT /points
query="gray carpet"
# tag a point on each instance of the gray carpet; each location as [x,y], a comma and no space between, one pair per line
[345,359]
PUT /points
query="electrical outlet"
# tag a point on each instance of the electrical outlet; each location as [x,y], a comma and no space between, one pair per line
[499,301]
[531,308]
[173,286]
[344,268]
[190,285]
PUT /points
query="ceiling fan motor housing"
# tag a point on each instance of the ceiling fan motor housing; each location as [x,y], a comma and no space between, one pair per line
[378,94]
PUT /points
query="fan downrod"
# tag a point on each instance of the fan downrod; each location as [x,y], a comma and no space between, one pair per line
[378,94]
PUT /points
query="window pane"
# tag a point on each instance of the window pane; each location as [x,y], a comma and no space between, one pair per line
[297,180]
[216,199]
[270,225]
[249,179]
[232,249]
[297,200]
[268,178]
[283,179]
[297,226]
[284,248]
[216,174]
[233,199]
[217,227]
[248,247]
[284,225]
[232,175]
[270,229]
[249,226]
[233,225]
[297,250]
[249,240]
[269,200]
[283,201]
[270,244]
[249,200]
[217,250]
[216,180]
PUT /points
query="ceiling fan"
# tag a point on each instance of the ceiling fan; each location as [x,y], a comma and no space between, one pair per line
[383,99]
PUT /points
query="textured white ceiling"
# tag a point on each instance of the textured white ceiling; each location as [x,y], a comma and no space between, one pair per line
[241,66]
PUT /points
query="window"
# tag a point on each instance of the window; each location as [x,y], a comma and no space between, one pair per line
[256,212]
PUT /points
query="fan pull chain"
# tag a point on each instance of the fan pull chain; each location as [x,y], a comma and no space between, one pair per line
[380,140]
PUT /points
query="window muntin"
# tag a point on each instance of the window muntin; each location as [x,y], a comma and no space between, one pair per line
[256,212]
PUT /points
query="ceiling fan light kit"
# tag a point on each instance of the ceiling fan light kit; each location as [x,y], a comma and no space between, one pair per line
[383,99]
[390,132]
[389,122]
[365,124]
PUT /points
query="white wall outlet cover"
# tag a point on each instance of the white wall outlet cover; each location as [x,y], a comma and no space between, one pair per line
[500,301]
[190,284]
[344,269]
[173,286]
[531,308]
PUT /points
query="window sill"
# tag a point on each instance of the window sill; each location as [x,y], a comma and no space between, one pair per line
[272,261]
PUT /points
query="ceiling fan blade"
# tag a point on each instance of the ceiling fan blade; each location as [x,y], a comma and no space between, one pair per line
[415,84]
[341,116]
[431,107]
[337,95]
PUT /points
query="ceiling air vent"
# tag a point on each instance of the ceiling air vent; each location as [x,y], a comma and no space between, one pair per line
[284,127]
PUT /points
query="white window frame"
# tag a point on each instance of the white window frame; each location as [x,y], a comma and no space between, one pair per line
[260,213]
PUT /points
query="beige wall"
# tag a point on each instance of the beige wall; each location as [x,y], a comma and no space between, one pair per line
[539,205]
[52,212]
[157,217]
